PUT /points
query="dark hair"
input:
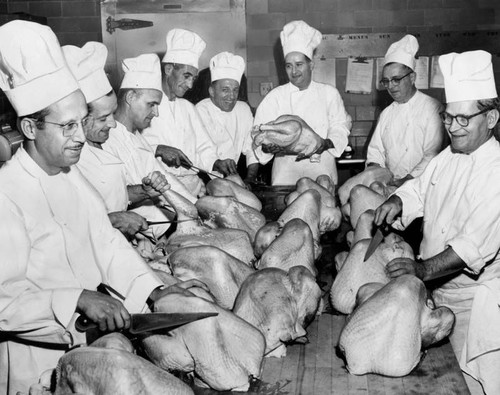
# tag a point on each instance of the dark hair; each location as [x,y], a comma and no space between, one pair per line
[90,107]
[122,93]
[490,104]
[406,69]
[38,117]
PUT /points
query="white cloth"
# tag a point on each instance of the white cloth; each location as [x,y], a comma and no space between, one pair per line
[55,241]
[226,65]
[468,76]
[87,65]
[458,194]
[142,72]
[408,135]
[108,175]
[139,159]
[183,47]
[322,108]
[298,36]
[230,131]
[179,125]
[403,51]
[33,71]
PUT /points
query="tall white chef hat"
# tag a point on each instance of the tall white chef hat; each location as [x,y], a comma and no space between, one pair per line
[33,71]
[468,76]
[183,47]
[298,36]
[142,72]
[226,65]
[403,51]
[87,65]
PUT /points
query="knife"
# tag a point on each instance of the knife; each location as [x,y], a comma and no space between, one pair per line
[193,167]
[149,321]
[377,238]
[171,221]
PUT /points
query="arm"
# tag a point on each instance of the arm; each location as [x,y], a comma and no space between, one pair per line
[171,156]
[206,152]
[339,125]
[376,151]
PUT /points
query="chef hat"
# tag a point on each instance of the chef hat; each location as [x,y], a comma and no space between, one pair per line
[468,76]
[33,71]
[87,65]
[142,72]
[298,36]
[226,65]
[183,47]
[403,51]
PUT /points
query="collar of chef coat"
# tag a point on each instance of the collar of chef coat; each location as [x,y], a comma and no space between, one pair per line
[485,152]
[29,164]
[104,157]
[409,102]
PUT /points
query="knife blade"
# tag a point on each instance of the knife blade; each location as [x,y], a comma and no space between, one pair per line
[171,221]
[149,321]
[377,238]
[193,167]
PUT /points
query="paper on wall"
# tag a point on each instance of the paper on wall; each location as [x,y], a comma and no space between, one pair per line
[379,67]
[359,76]
[437,80]
[324,71]
[422,70]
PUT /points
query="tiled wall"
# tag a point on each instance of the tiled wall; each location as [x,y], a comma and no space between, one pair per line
[74,22]
[265,19]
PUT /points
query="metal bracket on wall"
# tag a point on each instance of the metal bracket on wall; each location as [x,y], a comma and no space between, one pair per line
[125,24]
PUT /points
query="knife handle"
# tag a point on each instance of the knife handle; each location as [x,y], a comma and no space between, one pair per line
[83,324]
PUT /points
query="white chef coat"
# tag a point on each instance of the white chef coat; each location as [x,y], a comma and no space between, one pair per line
[322,108]
[108,176]
[55,241]
[458,196]
[139,159]
[179,125]
[230,131]
[408,135]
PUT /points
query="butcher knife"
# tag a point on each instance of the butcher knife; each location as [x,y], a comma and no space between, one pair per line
[377,238]
[149,321]
[193,167]
[171,221]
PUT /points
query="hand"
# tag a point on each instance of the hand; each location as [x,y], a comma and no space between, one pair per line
[399,181]
[399,266]
[388,211]
[107,312]
[172,156]
[128,222]
[180,287]
[225,166]
[155,184]
[248,182]
[271,149]
[326,144]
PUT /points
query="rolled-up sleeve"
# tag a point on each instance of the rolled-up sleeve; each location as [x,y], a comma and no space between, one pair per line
[339,123]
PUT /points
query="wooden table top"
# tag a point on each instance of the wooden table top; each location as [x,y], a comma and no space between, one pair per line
[315,369]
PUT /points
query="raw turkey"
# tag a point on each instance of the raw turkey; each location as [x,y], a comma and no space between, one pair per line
[228,213]
[193,233]
[354,272]
[294,246]
[330,216]
[234,186]
[280,304]
[221,272]
[265,236]
[223,351]
[386,333]
[289,132]
[367,177]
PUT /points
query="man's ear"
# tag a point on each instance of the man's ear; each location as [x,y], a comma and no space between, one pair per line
[28,127]
[167,69]
[413,77]
[492,118]
[129,96]
[312,64]
[211,91]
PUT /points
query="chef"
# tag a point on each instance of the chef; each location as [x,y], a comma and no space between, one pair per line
[103,170]
[458,195]
[319,105]
[409,132]
[138,99]
[178,133]
[228,120]
[56,241]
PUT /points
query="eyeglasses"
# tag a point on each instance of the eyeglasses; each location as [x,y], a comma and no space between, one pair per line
[70,128]
[462,120]
[395,80]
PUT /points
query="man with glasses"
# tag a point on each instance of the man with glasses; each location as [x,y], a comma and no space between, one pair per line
[409,132]
[178,135]
[458,195]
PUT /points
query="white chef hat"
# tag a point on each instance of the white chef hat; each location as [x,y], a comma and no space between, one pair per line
[403,51]
[87,65]
[298,36]
[468,76]
[226,65]
[183,47]
[33,71]
[142,72]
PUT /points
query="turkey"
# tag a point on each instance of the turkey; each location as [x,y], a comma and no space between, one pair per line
[354,272]
[289,132]
[221,272]
[280,304]
[367,177]
[234,186]
[229,213]
[222,351]
[388,330]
